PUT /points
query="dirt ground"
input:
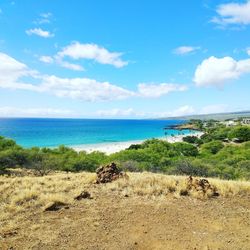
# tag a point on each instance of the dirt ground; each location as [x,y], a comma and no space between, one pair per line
[111,220]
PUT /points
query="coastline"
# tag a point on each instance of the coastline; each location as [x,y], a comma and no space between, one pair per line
[114,147]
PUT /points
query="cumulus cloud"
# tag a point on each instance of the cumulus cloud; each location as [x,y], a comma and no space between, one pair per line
[39,32]
[34,112]
[12,72]
[153,90]
[233,13]
[94,52]
[216,71]
[83,88]
[77,51]
[183,50]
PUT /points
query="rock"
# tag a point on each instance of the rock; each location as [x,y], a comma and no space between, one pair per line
[108,173]
[55,206]
[201,185]
[83,195]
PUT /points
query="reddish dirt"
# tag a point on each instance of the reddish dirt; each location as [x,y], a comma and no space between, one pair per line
[112,221]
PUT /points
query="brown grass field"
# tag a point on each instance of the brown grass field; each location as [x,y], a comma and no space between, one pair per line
[142,211]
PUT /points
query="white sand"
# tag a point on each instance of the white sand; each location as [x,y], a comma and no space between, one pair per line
[110,148]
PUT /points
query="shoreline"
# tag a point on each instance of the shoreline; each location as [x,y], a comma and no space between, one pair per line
[114,147]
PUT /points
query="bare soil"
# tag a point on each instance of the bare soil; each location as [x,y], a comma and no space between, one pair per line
[111,220]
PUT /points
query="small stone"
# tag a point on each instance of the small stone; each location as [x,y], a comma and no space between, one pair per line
[55,206]
[83,195]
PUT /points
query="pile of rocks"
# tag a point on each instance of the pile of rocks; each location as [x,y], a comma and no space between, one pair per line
[201,186]
[108,173]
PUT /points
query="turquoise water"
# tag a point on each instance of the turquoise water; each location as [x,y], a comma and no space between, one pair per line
[30,132]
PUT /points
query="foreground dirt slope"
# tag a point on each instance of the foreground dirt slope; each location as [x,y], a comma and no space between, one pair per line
[113,221]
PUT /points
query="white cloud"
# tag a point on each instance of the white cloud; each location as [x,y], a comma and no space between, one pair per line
[46,59]
[12,71]
[233,13]
[78,51]
[39,32]
[213,109]
[130,112]
[94,52]
[185,110]
[71,66]
[117,112]
[64,64]
[248,51]
[83,88]
[153,90]
[181,111]
[216,71]
[34,112]
[183,50]
[44,18]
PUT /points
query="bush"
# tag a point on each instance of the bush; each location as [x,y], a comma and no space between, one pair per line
[242,133]
[6,143]
[130,166]
[185,149]
[210,159]
[42,163]
[184,167]
[192,139]
[212,147]
[12,158]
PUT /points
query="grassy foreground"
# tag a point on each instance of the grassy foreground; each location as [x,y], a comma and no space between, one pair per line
[21,195]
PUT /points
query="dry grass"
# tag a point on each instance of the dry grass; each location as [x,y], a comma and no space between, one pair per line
[148,184]
[19,195]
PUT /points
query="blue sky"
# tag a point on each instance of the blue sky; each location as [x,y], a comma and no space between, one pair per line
[123,59]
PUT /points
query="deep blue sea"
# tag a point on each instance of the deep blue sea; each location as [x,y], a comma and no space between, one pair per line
[29,132]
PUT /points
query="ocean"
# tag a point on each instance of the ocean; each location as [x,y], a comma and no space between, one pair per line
[40,132]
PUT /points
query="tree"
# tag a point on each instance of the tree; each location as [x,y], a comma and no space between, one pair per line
[43,163]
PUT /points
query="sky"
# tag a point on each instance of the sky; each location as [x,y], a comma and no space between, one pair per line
[123,59]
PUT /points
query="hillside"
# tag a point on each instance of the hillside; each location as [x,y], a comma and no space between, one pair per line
[141,211]
[216,116]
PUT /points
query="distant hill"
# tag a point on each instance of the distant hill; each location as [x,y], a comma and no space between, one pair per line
[218,116]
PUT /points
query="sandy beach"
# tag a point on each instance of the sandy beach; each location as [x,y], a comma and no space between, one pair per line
[113,147]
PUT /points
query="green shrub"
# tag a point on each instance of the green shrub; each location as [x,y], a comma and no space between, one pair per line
[242,133]
[212,147]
